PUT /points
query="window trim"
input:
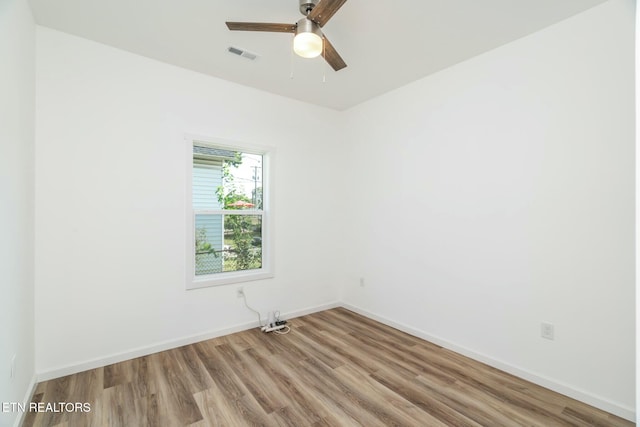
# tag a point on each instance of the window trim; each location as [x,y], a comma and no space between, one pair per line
[230,277]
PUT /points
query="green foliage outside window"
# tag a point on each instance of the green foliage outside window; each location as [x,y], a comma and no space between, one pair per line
[241,231]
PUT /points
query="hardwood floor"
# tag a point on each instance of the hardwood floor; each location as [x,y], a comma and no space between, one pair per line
[335,368]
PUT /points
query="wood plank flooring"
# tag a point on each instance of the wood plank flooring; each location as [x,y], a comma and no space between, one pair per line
[335,368]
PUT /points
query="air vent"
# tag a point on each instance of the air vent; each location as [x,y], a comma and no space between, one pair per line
[242,53]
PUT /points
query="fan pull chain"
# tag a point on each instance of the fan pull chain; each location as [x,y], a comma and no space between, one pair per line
[291,63]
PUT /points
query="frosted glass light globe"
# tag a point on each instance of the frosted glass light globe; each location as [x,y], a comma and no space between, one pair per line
[307,45]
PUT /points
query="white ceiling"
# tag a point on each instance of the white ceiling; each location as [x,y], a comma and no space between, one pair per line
[386,44]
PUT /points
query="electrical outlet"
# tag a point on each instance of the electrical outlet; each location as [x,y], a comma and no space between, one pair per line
[362,282]
[240,293]
[546,330]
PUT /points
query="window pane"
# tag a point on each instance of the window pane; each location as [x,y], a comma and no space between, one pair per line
[206,178]
[242,242]
[242,182]
[209,238]
[228,216]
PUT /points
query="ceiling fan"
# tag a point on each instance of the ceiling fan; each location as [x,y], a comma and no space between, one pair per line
[309,41]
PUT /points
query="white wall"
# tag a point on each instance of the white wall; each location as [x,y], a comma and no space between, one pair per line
[637,93]
[110,191]
[17,86]
[499,194]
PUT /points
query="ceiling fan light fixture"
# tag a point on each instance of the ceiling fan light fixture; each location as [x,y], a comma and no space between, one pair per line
[307,42]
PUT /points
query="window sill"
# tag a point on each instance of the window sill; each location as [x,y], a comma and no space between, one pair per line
[228,278]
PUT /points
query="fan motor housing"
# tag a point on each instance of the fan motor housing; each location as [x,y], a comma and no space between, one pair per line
[307,5]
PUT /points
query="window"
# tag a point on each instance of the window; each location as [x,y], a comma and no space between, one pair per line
[227,218]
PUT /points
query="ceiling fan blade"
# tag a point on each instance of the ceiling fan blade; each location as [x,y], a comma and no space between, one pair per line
[331,55]
[324,10]
[261,26]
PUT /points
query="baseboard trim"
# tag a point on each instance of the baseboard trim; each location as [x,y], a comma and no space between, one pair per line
[167,345]
[565,389]
[27,398]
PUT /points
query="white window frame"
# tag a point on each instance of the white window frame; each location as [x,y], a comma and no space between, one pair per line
[230,277]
